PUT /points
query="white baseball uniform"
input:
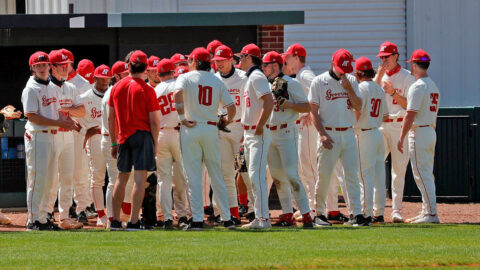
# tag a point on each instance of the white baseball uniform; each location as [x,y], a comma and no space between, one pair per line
[42,147]
[92,100]
[283,152]
[67,96]
[256,146]
[371,149]
[391,130]
[111,163]
[81,183]
[424,99]
[202,94]
[168,151]
[307,143]
[337,180]
[338,118]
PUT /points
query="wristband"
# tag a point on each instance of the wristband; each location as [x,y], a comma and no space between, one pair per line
[178,105]
[181,117]
[114,144]
[394,92]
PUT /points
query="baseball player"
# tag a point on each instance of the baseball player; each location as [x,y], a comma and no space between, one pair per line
[395,81]
[179,60]
[211,47]
[168,151]
[41,105]
[256,110]
[179,70]
[423,101]
[202,92]
[92,128]
[85,68]
[234,79]
[369,141]
[119,71]
[283,154]
[81,183]
[153,79]
[333,97]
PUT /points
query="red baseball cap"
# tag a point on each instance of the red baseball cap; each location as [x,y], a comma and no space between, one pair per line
[153,62]
[119,67]
[58,57]
[272,57]
[69,54]
[363,63]
[342,61]
[103,71]
[177,58]
[138,57]
[201,54]
[213,45]
[165,65]
[387,48]
[86,69]
[38,58]
[419,56]
[180,70]
[222,53]
[296,49]
[251,49]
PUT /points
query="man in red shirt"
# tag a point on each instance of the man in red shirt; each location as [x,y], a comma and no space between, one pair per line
[134,125]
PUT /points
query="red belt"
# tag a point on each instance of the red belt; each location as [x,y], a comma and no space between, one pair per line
[298,122]
[252,127]
[365,129]
[282,126]
[52,131]
[393,120]
[99,132]
[106,135]
[424,126]
[338,128]
[212,123]
[176,128]
[238,120]
[64,130]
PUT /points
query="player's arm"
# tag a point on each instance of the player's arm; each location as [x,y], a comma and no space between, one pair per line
[112,128]
[299,107]
[154,118]
[179,106]
[267,109]
[231,111]
[355,100]
[326,140]
[63,121]
[76,110]
[406,126]
[388,88]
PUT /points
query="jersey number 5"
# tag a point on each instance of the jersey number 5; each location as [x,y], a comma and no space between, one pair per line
[434,98]
[375,107]
[205,95]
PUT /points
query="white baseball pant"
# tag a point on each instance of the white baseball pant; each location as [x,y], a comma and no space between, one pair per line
[372,172]
[180,191]
[81,182]
[201,141]
[345,149]
[391,133]
[98,167]
[307,154]
[337,180]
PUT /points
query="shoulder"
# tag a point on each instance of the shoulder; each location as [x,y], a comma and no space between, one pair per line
[257,75]
[240,73]
[70,85]
[86,94]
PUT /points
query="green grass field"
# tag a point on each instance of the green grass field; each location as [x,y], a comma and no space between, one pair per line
[387,246]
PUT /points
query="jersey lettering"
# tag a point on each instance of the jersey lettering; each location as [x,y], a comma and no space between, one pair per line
[434,98]
[204,95]
[375,111]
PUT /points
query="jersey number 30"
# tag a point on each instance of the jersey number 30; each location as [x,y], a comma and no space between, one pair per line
[376,102]
[205,95]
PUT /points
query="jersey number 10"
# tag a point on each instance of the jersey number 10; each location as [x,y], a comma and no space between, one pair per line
[205,95]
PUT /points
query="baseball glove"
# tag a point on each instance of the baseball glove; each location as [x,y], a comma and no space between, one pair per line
[280,90]
[240,162]
[149,207]
[222,123]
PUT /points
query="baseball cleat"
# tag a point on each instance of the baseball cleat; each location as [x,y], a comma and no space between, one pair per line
[168,224]
[4,220]
[90,211]
[360,220]
[72,213]
[321,221]
[229,224]
[82,218]
[159,224]
[378,220]
[242,209]
[37,226]
[116,225]
[427,219]
[138,226]
[307,221]
[236,221]
[70,224]
[337,219]
[51,217]
[410,220]
[397,217]
[286,220]
[102,222]
[194,226]
[182,222]
[250,216]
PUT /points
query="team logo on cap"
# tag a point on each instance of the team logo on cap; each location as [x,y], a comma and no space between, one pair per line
[41,57]
[383,48]
[64,56]
[345,63]
[182,57]
[88,75]
[126,65]
[219,52]
[155,62]
[105,72]
[181,70]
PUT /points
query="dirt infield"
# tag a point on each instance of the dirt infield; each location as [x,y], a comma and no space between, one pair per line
[448,213]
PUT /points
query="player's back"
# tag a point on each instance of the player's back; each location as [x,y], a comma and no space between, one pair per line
[374,106]
[203,92]
[425,98]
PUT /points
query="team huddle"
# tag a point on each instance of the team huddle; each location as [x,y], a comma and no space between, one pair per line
[218,130]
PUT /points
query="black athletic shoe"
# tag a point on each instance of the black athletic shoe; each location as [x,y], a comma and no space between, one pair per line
[90,211]
[321,221]
[208,211]
[72,212]
[236,221]
[116,225]
[82,218]
[360,220]
[214,220]
[168,224]
[182,222]
[194,226]
[378,220]
[229,224]
[250,216]
[350,221]
[51,217]
[242,209]
[337,219]
[52,226]
[369,220]
[282,223]
[134,226]
[37,226]
[159,224]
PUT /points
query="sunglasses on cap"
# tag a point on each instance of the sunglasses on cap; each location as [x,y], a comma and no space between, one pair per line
[266,64]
